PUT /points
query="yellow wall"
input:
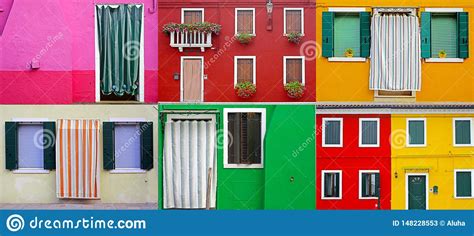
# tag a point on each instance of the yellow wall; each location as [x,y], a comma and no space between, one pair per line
[349,81]
[115,188]
[439,159]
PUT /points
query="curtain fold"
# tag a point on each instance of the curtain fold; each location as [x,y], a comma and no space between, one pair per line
[395,53]
[119,36]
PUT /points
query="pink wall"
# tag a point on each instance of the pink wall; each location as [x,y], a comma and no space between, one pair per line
[60,35]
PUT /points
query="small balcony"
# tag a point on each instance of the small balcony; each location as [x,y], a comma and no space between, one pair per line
[191,39]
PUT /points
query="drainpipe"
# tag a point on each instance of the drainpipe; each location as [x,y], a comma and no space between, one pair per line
[152,10]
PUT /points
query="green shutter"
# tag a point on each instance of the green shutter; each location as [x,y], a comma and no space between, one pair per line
[377,184]
[146,145]
[463,132]
[463,184]
[11,145]
[426,34]
[416,132]
[254,141]
[463,35]
[328,34]
[49,138]
[108,146]
[364,18]
[364,184]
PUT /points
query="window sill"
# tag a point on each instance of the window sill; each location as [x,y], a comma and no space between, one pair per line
[416,146]
[331,198]
[127,171]
[464,197]
[368,198]
[243,166]
[253,35]
[30,171]
[445,60]
[332,145]
[369,145]
[347,59]
[463,145]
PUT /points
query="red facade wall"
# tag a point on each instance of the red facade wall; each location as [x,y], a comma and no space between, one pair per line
[350,158]
[269,47]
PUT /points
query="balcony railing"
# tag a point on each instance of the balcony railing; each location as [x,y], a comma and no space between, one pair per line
[190,39]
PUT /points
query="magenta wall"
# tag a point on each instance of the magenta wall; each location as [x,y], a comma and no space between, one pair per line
[60,35]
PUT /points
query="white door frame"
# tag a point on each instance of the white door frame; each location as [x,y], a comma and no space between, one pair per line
[181,78]
[426,186]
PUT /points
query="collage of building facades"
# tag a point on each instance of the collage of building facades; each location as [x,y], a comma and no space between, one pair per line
[237,104]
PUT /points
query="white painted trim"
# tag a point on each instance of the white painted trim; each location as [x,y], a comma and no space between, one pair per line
[181,78]
[346,9]
[341,133]
[191,9]
[254,58]
[378,132]
[444,60]
[235,19]
[407,137]
[376,94]
[226,136]
[321,111]
[347,59]
[302,19]
[427,187]
[30,171]
[39,120]
[454,132]
[444,10]
[127,171]
[360,183]
[303,69]
[472,183]
[322,184]
[126,119]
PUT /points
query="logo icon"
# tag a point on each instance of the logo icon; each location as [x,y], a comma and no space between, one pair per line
[15,223]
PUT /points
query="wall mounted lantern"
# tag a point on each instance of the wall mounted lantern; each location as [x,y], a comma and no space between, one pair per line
[269,15]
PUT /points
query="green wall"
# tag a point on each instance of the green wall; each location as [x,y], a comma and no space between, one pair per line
[287,180]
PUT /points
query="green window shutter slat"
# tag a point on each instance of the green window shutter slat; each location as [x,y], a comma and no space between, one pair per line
[146,136]
[364,184]
[11,145]
[463,132]
[108,145]
[364,18]
[426,34]
[377,184]
[463,184]
[416,132]
[328,34]
[444,35]
[254,138]
[49,151]
[463,34]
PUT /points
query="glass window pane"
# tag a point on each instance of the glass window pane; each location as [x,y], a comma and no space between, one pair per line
[369,132]
[346,34]
[332,132]
[444,34]
[127,146]
[331,184]
[416,132]
[463,132]
[463,184]
[244,132]
[30,146]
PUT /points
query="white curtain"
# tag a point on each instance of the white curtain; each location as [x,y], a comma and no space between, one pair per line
[395,53]
[189,152]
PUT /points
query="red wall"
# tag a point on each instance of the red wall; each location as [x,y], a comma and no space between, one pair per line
[269,47]
[350,159]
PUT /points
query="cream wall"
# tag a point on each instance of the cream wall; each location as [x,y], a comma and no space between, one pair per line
[115,188]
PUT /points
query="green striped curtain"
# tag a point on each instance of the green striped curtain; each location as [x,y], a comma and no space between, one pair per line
[346,34]
[463,132]
[332,132]
[369,132]
[416,132]
[463,184]
[119,31]
[444,34]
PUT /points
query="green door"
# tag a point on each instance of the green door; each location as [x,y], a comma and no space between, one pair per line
[417,192]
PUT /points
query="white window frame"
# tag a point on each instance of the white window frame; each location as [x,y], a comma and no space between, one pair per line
[427,188]
[303,67]
[191,9]
[408,132]
[181,78]
[323,172]
[444,60]
[454,132]
[141,76]
[254,58]
[376,94]
[302,19]
[341,132]
[378,132]
[262,111]
[472,183]
[236,18]
[360,183]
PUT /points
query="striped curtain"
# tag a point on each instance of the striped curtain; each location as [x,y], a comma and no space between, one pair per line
[395,53]
[189,152]
[77,162]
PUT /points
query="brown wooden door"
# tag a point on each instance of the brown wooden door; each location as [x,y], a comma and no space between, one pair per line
[192,76]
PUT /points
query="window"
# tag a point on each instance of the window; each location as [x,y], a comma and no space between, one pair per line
[244,69]
[369,184]
[245,21]
[388,93]
[128,146]
[294,21]
[463,132]
[443,34]
[332,132]
[463,183]
[293,69]
[192,15]
[119,52]
[416,131]
[369,132]
[346,34]
[245,131]
[331,184]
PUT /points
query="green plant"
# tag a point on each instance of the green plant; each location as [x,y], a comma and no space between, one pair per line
[203,27]
[294,89]
[245,89]
[244,38]
[350,51]
[442,54]
[294,37]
